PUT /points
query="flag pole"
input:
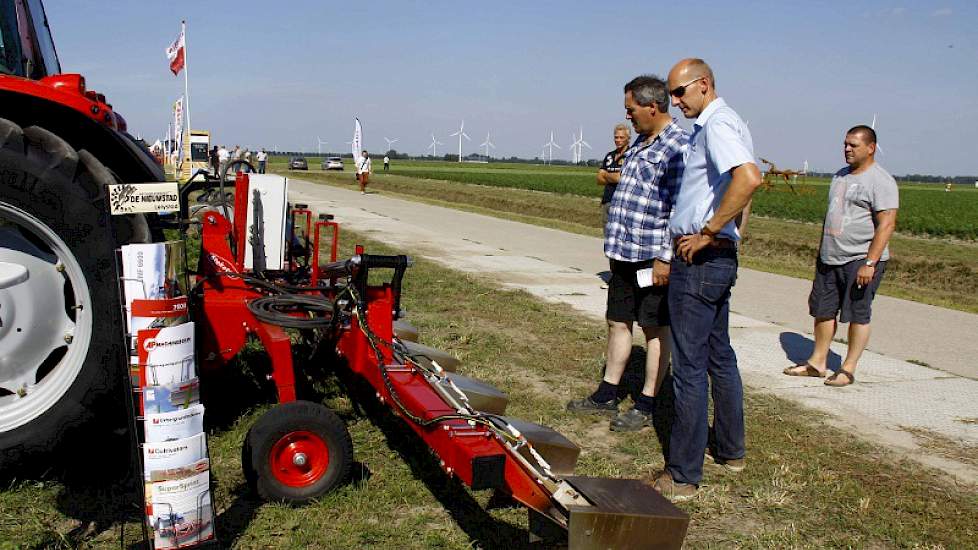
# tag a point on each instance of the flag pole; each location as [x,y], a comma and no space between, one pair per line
[186,77]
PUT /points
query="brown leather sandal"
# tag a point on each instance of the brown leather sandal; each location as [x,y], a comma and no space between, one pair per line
[833,380]
[809,371]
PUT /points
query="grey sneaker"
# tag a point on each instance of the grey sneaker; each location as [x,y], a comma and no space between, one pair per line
[588,405]
[631,420]
[674,490]
[734,465]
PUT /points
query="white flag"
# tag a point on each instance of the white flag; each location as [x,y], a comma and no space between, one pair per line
[178,128]
[357,140]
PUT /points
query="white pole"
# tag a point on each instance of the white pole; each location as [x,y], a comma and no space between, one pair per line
[186,77]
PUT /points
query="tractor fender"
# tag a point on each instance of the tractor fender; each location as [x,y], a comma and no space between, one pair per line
[117,150]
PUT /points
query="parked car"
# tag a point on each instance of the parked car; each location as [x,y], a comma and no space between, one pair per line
[298,163]
[333,163]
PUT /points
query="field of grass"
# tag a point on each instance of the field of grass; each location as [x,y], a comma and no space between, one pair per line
[925,210]
[807,485]
[942,272]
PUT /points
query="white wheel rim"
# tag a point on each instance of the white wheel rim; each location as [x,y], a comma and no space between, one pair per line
[43,345]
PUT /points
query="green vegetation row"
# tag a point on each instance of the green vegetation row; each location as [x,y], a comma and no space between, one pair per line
[923,210]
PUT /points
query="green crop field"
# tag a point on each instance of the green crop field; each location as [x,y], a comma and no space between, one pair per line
[924,209]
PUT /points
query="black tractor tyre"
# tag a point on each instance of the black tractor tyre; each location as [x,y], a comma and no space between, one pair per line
[63,190]
[286,433]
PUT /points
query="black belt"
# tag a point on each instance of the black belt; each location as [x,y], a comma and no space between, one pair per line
[718,243]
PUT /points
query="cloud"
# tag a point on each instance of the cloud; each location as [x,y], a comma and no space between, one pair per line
[942,12]
[898,11]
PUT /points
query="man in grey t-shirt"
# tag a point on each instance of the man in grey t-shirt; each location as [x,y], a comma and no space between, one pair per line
[863,202]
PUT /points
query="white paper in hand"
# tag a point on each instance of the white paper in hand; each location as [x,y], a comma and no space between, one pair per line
[644,277]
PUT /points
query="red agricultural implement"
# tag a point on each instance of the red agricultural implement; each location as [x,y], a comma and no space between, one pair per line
[299,450]
[62,144]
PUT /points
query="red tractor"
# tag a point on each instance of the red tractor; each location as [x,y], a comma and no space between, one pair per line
[60,316]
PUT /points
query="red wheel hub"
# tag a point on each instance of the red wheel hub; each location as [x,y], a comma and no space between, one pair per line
[299,459]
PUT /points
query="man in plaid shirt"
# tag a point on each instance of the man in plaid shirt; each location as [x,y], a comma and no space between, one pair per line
[638,244]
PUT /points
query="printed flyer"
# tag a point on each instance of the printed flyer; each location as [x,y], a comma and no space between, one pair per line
[182,514]
[175,460]
[166,355]
[171,426]
[152,271]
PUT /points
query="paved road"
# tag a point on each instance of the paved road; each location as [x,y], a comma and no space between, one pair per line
[770,327]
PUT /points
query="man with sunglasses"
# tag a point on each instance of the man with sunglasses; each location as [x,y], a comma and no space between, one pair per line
[639,247]
[719,179]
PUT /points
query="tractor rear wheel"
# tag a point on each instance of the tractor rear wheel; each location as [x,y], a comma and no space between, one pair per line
[61,323]
[296,452]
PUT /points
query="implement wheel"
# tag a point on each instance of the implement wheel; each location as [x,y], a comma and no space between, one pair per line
[297,452]
[61,324]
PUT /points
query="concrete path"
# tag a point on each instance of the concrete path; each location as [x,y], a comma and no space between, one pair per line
[896,402]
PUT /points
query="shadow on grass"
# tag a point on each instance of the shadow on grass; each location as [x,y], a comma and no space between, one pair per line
[483,529]
[798,349]
[631,384]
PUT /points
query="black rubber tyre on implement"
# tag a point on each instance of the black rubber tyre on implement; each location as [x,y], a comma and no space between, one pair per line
[61,321]
[296,452]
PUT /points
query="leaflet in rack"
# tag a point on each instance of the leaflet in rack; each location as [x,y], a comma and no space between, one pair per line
[181,513]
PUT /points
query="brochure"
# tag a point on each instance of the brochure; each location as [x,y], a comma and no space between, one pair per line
[182,514]
[166,355]
[152,271]
[174,425]
[175,460]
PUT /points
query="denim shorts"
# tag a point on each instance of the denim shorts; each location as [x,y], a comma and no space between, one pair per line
[834,292]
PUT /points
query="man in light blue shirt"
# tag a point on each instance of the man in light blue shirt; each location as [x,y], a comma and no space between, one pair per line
[719,179]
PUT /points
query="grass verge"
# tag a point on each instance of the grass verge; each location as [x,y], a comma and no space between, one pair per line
[807,485]
[938,272]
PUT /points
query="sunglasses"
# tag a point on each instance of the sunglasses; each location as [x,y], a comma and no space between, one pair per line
[680,91]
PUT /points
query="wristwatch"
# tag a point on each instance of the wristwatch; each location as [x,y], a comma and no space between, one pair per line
[870,263]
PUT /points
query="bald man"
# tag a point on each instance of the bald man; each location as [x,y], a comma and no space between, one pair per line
[718,182]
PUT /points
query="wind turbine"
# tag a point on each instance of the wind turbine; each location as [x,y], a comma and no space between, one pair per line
[389,142]
[434,146]
[319,145]
[461,133]
[487,144]
[577,146]
[550,146]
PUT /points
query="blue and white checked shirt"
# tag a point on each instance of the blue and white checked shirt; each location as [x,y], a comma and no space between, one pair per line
[638,218]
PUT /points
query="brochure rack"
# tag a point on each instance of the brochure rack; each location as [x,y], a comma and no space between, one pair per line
[165,415]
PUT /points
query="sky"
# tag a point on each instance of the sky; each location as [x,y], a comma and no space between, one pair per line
[280,75]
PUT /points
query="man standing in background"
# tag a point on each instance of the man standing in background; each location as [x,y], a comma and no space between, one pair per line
[863,202]
[610,171]
[387,163]
[262,161]
[719,180]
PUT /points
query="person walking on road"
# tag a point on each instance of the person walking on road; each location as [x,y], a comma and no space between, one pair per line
[224,156]
[387,163]
[610,171]
[215,160]
[363,171]
[719,179]
[262,157]
[863,203]
[639,247]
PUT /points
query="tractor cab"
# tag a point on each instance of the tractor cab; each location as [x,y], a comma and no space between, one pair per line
[26,46]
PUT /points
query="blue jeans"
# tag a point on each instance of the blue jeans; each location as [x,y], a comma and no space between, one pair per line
[699,300]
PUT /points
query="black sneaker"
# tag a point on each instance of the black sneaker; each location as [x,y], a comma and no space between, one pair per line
[631,420]
[588,405]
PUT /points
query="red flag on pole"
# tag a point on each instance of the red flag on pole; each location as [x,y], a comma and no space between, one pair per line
[175,54]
